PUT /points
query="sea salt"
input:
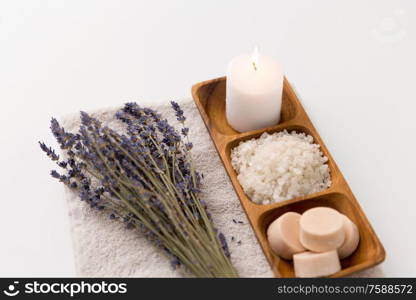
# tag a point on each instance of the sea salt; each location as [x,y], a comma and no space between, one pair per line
[280,166]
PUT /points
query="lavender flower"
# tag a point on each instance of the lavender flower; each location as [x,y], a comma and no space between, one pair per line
[145,178]
[49,151]
[178,111]
[55,174]
[224,244]
[185,131]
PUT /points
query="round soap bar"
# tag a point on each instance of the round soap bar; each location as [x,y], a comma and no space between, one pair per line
[311,264]
[283,235]
[352,238]
[321,229]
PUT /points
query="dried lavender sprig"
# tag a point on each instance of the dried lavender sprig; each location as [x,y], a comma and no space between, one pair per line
[147,178]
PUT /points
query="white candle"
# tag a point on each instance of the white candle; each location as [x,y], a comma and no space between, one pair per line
[254,92]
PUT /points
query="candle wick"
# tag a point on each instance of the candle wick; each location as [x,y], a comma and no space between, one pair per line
[254,65]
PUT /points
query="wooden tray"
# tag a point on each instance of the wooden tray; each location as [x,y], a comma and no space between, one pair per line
[209,97]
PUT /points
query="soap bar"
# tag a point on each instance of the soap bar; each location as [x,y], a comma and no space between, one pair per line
[352,238]
[283,235]
[322,229]
[311,264]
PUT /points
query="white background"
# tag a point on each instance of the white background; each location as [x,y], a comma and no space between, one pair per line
[351,62]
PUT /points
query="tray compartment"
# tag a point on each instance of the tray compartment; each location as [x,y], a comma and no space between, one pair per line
[367,248]
[277,128]
[211,98]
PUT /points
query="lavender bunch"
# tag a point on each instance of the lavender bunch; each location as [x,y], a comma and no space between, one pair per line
[146,179]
